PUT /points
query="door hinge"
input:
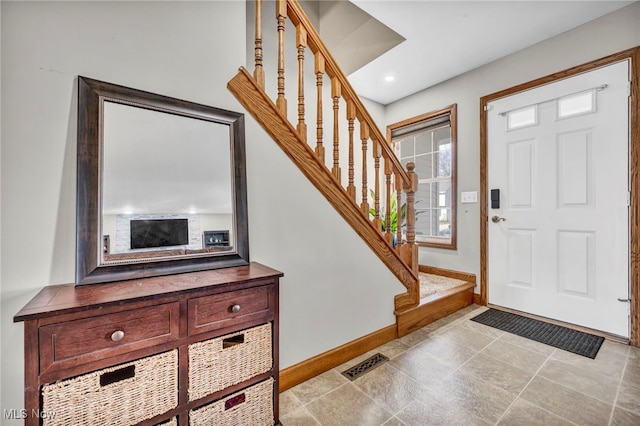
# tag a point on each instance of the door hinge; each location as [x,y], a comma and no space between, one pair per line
[629,88]
[628,198]
[488,108]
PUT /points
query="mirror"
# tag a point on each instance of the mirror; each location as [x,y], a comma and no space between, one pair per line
[161,185]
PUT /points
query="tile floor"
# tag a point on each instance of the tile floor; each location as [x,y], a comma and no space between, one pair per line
[458,372]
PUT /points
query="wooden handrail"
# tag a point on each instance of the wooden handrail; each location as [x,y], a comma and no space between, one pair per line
[299,18]
[322,162]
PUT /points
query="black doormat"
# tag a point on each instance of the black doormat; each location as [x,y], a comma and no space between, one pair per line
[560,337]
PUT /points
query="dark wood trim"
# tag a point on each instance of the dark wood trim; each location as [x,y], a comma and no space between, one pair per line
[91,266]
[305,370]
[634,163]
[452,111]
[449,273]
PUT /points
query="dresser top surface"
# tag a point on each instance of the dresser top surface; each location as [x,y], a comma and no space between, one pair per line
[54,299]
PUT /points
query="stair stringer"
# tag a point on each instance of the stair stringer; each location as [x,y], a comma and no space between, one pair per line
[275,123]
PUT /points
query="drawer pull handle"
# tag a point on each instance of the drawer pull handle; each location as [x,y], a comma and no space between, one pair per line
[236,400]
[117,335]
[235,309]
[230,342]
[118,375]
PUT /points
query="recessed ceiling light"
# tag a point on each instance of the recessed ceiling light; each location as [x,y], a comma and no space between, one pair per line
[389,78]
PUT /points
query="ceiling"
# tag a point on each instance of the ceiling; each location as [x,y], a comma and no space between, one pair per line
[421,43]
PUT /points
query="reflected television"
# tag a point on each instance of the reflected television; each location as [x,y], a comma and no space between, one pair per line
[150,233]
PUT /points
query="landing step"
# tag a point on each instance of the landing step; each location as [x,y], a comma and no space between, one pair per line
[432,307]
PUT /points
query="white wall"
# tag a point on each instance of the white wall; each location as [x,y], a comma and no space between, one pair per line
[1,317]
[610,34]
[335,289]
[187,50]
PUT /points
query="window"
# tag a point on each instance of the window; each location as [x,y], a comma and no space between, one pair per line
[429,141]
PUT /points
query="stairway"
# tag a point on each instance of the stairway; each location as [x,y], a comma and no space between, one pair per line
[357,170]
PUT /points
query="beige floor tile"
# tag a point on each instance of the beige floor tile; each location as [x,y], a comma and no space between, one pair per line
[288,403]
[458,372]
[632,370]
[481,328]
[318,386]
[497,373]
[471,395]
[609,361]
[468,338]
[517,356]
[394,421]
[529,344]
[567,403]
[415,338]
[389,387]
[589,382]
[524,413]
[624,418]
[629,397]
[392,349]
[428,410]
[422,368]
[445,350]
[300,417]
[347,406]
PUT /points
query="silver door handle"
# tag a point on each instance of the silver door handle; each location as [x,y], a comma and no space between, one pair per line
[496,219]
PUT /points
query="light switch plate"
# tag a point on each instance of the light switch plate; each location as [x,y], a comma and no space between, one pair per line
[469,197]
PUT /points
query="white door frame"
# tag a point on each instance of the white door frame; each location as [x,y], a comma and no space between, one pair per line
[634,160]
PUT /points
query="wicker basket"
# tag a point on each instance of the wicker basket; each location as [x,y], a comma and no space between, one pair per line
[250,407]
[228,360]
[121,395]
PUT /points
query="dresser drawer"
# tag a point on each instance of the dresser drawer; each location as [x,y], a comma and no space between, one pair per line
[88,339]
[213,312]
[121,395]
[218,363]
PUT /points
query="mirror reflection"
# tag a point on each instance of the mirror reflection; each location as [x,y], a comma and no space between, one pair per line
[167,184]
[161,185]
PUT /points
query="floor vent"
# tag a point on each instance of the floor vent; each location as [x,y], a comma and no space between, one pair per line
[365,366]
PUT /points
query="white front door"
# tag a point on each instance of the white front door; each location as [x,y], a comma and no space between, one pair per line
[558,156]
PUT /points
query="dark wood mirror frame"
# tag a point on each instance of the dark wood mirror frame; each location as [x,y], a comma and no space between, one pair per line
[89,268]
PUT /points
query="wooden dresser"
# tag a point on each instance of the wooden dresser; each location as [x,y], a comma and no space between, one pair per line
[199,348]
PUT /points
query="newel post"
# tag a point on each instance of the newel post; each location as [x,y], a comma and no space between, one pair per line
[410,249]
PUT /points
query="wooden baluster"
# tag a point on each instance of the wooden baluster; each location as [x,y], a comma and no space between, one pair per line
[376,201]
[387,207]
[399,187]
[301,41]
[258,71]
[319,69]
[364,135]
[410,249]
[335,94]
[281,15]
[351,116]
